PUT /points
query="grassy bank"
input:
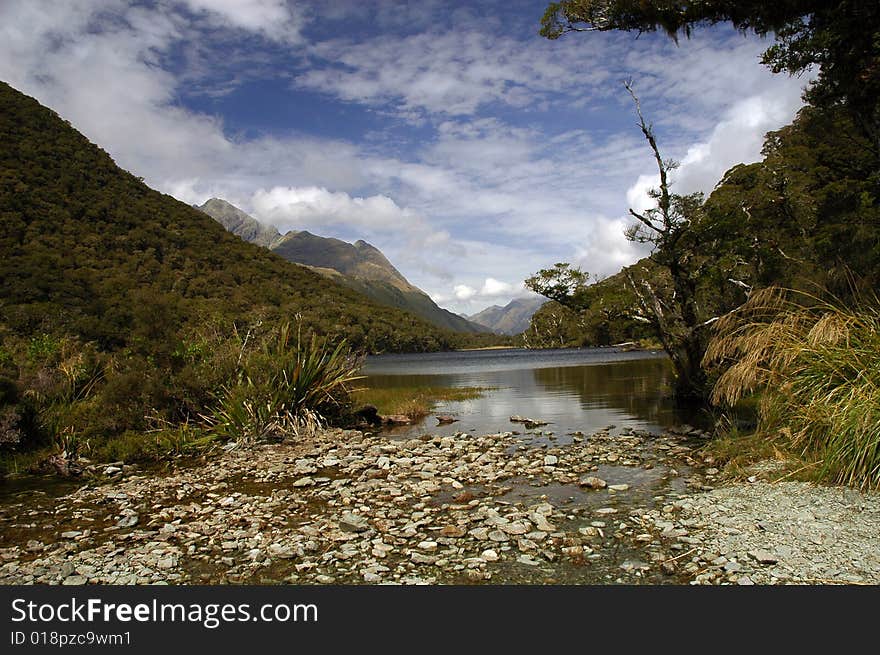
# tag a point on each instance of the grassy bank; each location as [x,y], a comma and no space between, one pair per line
[413,402]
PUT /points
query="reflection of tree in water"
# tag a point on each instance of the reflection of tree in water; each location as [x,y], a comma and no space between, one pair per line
[640,387]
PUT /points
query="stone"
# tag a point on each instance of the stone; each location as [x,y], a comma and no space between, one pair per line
[606,511]
[128,521]
[420,558]
[304,482]
[763,556]
[618,487]
[551,460]
[528,560]
[453,531]
[541,523]
[351,522]
[281,551]
[71,534]
[397,419]
[592,482]
[490,555]
[515,528]
[74,580]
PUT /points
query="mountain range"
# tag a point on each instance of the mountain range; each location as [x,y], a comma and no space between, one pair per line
[359,266]
[513,318]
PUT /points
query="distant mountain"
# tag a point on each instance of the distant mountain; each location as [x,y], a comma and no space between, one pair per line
[360,265]
[240,224]
[513,318]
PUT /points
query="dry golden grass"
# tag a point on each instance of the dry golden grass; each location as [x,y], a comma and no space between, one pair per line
[816,364]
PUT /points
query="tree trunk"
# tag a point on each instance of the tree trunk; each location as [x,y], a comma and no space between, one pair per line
[690,379]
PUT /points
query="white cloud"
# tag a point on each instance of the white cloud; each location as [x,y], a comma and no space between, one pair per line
[607,250]
[737,138]
[464,292]
[452,73]
[493,287]
[275,19]
[300,207]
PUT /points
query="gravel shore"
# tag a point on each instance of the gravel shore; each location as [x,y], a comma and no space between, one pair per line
[618,506]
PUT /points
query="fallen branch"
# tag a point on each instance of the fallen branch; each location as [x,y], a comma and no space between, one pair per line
[788,475]
[685,554]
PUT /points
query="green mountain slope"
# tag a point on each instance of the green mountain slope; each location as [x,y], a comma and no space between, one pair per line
[88,249]
[360,266]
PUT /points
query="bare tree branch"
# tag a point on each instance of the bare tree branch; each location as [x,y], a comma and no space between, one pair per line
[663,202]
[647,221]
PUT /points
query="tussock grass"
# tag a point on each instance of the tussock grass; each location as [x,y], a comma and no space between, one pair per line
[816,364]
[413,402]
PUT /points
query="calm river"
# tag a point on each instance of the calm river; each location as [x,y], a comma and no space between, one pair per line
[573,389]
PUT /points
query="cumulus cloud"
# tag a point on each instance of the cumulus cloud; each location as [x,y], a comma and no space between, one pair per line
[737,138]
[299,207]
[469,299]
[493,287]
[464,292]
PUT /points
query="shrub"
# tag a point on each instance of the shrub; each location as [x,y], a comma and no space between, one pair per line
[281,383]
[817,366]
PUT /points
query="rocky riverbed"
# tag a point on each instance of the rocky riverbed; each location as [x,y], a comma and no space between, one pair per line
[617,506]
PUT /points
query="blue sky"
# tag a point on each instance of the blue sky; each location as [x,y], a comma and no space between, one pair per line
[471,151]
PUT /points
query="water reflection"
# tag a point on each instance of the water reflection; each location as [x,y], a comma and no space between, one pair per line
[582,390]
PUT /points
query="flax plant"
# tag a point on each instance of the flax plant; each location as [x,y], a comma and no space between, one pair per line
[284,386]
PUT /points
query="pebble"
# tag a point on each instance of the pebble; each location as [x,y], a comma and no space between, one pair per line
[489,555]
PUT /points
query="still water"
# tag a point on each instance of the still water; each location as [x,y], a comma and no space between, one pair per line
[574,389]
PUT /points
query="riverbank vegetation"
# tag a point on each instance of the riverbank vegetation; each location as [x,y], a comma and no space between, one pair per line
[64,399]
[413,402]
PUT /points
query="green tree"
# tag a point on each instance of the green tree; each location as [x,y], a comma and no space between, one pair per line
[564,283]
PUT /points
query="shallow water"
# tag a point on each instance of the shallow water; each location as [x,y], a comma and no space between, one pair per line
[574,389]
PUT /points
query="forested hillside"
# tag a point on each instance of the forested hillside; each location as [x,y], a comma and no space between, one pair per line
[89,249]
